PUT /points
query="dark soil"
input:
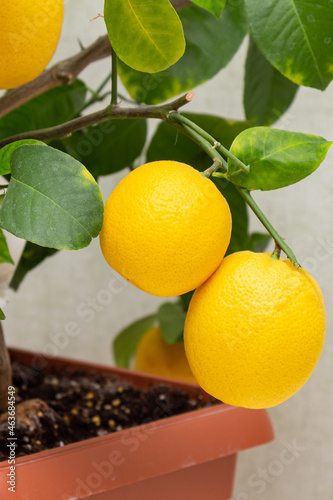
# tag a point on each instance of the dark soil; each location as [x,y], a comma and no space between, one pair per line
[54,409]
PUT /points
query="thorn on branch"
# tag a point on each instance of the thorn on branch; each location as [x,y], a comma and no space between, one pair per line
[96,17]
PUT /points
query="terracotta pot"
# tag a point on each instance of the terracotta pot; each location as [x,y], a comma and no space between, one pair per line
[192,455]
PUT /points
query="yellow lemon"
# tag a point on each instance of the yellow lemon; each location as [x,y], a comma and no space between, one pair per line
[155,356]
[166,228]
[255,330]
[29,34]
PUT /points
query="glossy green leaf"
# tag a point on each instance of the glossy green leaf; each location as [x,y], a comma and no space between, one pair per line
[52,199]
[2,315]
[210,46]
[7,151]
[277,158]
[107,147]
[171,317]
[146,35]
[52,108]
[126,342]
[4,251]
[31,257]
[214,6]
[169,144]
[267,93]
[296,37]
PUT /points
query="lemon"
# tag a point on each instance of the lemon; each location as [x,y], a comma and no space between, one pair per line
[29,34]
[166,228]
[255,330]
[156,357]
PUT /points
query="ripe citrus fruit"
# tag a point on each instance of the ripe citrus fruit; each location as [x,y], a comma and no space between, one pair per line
[255,330]
[29,34]
[155,356]
[166,228]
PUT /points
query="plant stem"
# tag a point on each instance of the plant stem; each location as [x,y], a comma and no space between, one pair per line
[263,219]
[198,139]
[216,165]
[116,112]
[217,145]
[277,252]
[114,92]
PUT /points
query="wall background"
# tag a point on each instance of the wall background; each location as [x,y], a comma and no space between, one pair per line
[65,287]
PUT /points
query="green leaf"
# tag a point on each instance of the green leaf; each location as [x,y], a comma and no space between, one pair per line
[215,7]
[126,342]
[296,37]
[171,317]
[2,315]
[47,110]
[210,46]
[52,199]
[267,93]
[277,158]
[32,255]
[169,144]
[4,251]
[257,242]
[7,151]
[107,147]
[146,35]
[238,213]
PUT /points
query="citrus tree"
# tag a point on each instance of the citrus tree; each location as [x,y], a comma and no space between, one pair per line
[53,150]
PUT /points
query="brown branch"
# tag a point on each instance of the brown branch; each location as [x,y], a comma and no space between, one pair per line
[68,128]
[64,72]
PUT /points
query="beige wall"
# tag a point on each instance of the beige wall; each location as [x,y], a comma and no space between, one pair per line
[63,288]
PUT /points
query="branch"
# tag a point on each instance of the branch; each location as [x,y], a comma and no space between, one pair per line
[64,72]
[115,112]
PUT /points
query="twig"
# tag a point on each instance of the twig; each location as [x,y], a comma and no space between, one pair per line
[217,163]
[66,129]
[215,144]
[280,243]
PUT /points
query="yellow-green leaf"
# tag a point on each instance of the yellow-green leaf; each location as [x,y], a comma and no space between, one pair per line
[146,35]
[277,158]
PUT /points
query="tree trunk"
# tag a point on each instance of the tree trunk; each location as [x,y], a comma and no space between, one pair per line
[5,373]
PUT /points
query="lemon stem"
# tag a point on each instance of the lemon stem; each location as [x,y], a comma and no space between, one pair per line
[214,143]
[277,252]
[245,194]
[217,163]
[114,93]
